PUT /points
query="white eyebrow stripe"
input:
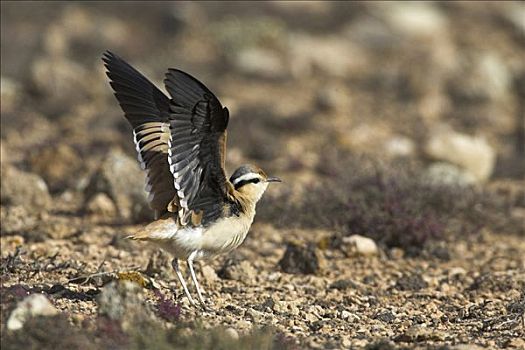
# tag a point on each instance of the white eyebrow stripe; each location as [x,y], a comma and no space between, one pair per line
[246,177]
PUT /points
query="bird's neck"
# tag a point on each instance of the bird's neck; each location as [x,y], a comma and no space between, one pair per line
[246,202]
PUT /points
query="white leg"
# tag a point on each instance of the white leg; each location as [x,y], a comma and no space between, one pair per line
[194,278]
[175,264]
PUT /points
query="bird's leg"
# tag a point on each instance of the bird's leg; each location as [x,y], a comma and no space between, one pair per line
[194,278]
[175,265]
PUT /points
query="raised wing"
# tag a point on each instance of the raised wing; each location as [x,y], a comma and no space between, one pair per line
[197,140]
[148,110]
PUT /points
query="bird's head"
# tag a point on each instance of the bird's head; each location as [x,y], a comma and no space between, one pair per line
[251,181]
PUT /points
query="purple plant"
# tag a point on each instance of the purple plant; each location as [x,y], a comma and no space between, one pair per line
[166,308]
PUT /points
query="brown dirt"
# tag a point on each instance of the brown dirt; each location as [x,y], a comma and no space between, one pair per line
[335,94]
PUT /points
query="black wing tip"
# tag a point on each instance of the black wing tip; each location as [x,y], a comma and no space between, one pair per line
[111,59]
[186,81]
[175,73]
[108,57]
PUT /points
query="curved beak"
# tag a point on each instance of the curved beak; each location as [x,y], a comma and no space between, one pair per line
[273,179]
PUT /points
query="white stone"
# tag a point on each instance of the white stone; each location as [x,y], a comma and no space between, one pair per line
[33,305]
[232,333]
[514,12]
[261,62]
[362,245]
[345,315]
[414,18]
[332,55]
[10,92]
[441,173]
[400,146]
[471,153]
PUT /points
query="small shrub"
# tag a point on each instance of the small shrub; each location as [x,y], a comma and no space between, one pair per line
[391,203]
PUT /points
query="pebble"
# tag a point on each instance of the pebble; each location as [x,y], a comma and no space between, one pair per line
[333,56]
[102,205]
[260,62]
[471,153]
[400,146]
[345,315]
[25,189]
[300,259]
[120,178]
[256,316]
[123,301]
[420,333]
[60,80]
[361,245]
[11,93]
[414,19]
[441,173]
[33,305]
[232,333]
[209,274]
[58,164]
[16,219]
[238,271]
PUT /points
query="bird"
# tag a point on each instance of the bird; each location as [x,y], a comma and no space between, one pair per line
[181,141]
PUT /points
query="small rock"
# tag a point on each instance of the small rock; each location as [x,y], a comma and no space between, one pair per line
[33,305]
[514,13]
[159,263]
[456,271]
[209,274]
[16,219]
[361,245]
[484,77]
[3,155]
[267,305]
[233,269]
[10,91]
[101,205]
[260,62]
[60,80]
[57,164]
[343,284]
[278,306]
[332,98]
[256,316]
[400,146]
[345,315]
[472,154]
[25,189]
[441,173]
[310,317]
[467,347]
[419,19]
[123,301]
[300,260]
[386,316]
[59,228]
[411,283]
[332,55]
[120,177]
[419,333]
[231,333]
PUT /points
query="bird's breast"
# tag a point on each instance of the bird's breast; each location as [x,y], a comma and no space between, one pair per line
[226,234]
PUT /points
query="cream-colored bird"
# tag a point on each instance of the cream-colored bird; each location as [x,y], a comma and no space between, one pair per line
[181,144]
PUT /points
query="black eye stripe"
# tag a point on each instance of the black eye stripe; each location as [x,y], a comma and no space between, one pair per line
[244,182]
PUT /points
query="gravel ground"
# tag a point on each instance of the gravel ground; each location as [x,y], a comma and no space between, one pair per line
[398,129]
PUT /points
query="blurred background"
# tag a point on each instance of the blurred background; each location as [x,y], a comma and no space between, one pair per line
[403,122]
[391,80]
